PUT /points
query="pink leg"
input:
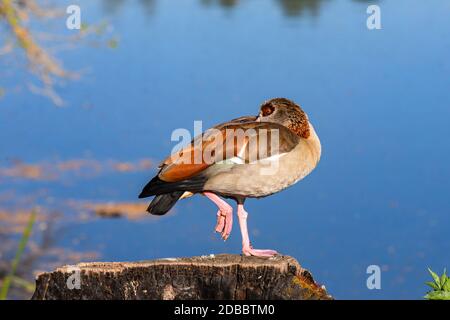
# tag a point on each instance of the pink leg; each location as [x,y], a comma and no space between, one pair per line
[224,215]
[247,248]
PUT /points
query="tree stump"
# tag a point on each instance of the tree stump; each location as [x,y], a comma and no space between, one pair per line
[221,276]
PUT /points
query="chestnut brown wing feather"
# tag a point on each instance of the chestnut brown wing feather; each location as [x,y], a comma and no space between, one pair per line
[171,170]
[223,143]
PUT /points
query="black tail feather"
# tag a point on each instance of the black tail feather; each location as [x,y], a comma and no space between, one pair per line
[168,193]
[157,186]
[150,187]
[162,203]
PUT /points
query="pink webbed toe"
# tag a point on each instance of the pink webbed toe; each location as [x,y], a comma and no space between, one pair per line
[249,251]
[220,225]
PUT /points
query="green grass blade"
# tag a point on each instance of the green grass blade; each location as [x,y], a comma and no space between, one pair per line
[443,280]
[22,244]
[25,284]
[436,278]
[432,285]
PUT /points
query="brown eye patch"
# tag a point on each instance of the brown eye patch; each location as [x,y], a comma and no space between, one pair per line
[267,110]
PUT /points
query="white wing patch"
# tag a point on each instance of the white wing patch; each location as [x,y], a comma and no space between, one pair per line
[239,160]
[234,160]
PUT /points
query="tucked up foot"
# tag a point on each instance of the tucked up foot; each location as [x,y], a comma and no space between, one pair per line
[220,221]
[224,223]
[224,215]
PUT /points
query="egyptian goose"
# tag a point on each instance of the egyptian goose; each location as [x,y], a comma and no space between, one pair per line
[248,157]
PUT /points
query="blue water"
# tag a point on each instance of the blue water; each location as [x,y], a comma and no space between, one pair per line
[379,100]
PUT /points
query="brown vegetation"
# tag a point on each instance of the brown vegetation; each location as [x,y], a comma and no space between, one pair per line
[130,210]
[83,167]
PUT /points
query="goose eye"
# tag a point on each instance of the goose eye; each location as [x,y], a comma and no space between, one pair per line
[267,110]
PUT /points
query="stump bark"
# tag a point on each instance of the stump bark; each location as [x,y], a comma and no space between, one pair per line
[221,276]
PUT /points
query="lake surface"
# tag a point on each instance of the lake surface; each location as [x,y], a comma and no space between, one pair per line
[379,101]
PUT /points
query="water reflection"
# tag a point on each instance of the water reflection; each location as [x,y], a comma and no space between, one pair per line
[114,6]
[295,8]
[290,8]
[223,3]
[148,6]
